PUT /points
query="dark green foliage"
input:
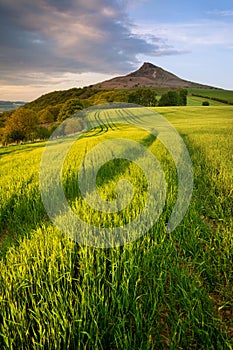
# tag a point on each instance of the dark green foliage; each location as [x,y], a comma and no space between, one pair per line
[170,98]
[174,98]
[205,103]
[13,136]
[42,133]
[183,93]
[143,96]
[69,108]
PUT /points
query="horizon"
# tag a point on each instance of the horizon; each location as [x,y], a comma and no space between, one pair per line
[57,45]
[18,101]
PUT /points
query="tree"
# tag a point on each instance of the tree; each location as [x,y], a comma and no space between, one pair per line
[13,136]
[55,110]
[170,98]
[45,116]
[21,126]
[143,96]
[69,108]
[174,98]
[42,133]
[183,93]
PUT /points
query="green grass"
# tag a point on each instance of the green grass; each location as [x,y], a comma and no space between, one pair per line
[197,101]
[162,291]
[226,95]
[193,101]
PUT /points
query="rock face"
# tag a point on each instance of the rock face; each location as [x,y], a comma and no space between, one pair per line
[148,75]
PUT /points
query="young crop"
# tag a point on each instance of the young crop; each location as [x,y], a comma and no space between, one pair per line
[163,290]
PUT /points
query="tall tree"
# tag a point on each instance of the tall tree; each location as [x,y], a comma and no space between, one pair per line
[183,97]
[22,125]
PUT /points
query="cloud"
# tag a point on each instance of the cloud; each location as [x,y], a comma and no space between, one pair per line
[58,36]
[164,48]
[222,13]
[191,36]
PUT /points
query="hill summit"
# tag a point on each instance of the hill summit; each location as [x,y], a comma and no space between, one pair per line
[148,75]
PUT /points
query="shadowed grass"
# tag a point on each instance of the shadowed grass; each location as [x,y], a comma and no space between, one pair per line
[163,291]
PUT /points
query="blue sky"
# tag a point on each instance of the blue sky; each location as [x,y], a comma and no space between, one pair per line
[201,30]
[57,44]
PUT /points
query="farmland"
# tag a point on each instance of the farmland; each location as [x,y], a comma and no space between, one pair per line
[225,96]
[197,101]
[164,290]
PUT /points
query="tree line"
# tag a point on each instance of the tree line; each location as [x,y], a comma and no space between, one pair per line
[38,119]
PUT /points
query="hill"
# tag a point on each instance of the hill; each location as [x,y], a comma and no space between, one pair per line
[118,89]
[148,75]
[147,86]
[9,105]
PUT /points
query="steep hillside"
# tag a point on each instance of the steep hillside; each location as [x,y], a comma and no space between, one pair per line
[148,75]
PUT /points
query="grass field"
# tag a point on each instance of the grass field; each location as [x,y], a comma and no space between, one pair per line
[197,101]
[226,95]
[162,291]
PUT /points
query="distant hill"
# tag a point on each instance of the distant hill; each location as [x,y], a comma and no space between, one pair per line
[9,105]
[148,75]
[53,106]
[148,86]
[120,88]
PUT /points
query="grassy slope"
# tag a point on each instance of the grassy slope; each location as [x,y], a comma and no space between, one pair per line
[197,101]
[214,93]
[158,292]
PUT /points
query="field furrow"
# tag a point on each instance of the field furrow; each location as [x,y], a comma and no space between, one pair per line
[163,290]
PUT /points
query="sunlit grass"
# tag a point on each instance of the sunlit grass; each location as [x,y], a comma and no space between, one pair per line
[197,101]
[159,292]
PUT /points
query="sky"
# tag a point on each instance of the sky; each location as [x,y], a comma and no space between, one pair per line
[48,45]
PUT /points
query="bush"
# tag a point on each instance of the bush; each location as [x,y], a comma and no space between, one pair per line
[205,103]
